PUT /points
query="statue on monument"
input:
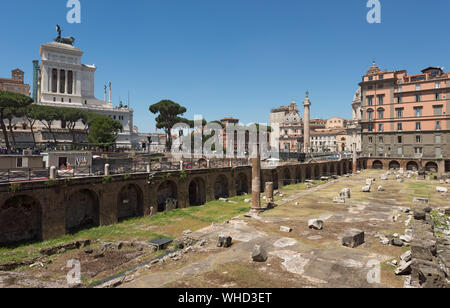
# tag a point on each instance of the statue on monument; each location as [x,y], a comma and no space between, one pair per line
[64,40]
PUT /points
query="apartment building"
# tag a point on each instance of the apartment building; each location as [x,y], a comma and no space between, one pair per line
[405,116]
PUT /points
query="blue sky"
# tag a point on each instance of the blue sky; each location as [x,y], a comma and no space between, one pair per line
[236,58]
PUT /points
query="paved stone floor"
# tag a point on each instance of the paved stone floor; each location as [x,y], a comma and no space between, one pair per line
[304,257]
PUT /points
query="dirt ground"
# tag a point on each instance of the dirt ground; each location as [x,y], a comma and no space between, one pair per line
[304,257]
[300,259]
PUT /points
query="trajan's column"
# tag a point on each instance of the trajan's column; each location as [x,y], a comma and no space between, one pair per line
[307,134]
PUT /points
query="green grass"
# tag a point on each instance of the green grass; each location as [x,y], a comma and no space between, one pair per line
[169,224]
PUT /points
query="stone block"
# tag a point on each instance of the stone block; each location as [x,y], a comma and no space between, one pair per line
[225,241]
[353,238]
[259,254]
[315,224]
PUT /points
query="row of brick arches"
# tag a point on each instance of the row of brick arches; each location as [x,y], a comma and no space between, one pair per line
[410,166]
[30,216]
[20,216]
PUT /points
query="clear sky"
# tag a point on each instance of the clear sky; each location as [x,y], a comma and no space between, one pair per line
[236,58]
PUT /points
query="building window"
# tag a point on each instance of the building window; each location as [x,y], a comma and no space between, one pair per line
[54,99]
[438,139]
[370,100]
[438,125]
[418,139]
[380,113]
[437,110]
[380,99]
[437,85]
[418,98]
[400,89]
[69,82]
[400,139]
[418,111]
[399,127]
[370,140]
[370,128]
[380,139]
[418,150]
[19,162]
[400,151]
[418,87]
[370,78]
[438,152]
[54,80]
[418,126]
[62,81]
[399,113]
[399,100]
[370,115]
[381,127]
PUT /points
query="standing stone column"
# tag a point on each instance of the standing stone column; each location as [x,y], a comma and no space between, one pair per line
[256,183]
[107,169]
[307,133]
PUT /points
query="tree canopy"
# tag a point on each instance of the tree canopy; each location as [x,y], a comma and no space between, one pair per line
[169,114]
[9,102]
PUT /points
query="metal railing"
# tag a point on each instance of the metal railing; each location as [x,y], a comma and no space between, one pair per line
[23,174]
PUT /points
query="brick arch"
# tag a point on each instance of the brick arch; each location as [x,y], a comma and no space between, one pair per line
[308,174]
[82,211]
[394,165]
[377,164]
[298,175]
[242,184]
[274,177]
[221,187]
[286,177]
[197,191]
[332,169]
[130,202]
[412,165]
[166,190]
[20,220]
[431,167]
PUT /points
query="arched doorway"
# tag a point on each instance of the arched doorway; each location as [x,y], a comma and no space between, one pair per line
[241,184]
[308,173]
[377,165]
[130,202]
[286,177]
[412,166]
[167,192]
[332,171]
[221,187]
[20,220]
[431,167]
[82,211]
[316,172]
[345,167]
[275,178]
[394,165]
[197,192]
[298,175]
